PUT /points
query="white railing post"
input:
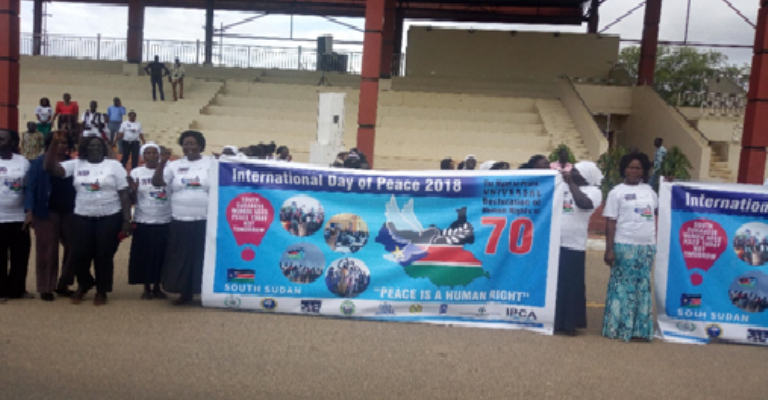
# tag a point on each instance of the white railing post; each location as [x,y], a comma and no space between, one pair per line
[299,66]
[197,53]
[98,46]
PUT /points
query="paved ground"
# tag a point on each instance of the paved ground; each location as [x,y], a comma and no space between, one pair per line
[137,349]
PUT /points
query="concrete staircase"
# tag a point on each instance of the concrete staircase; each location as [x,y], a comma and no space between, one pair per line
[561,129]
[718,169]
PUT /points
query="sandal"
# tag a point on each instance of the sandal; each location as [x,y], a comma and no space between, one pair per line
[100,299]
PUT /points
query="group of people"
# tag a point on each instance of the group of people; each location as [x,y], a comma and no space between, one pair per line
[470,163]
[300,273]
[347,279]
[89,204]
[126,136]
[748,300]
[750,248]
[345,240]
[630,211]
[301,221]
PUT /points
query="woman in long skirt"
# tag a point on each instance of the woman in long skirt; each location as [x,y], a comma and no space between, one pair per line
[152,217]
[630,249]
[581,197]
[188,180]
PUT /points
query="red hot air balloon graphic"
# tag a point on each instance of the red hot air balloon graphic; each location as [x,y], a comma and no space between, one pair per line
[702,242]
[249,216]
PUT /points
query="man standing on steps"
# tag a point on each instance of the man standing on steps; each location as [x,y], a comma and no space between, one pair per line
[157,71]
[661,152]
[177,79]
[115,113]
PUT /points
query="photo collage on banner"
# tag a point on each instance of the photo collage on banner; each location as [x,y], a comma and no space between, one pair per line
[712,265]
[460,248]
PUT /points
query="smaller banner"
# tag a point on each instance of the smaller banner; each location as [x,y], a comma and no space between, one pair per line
[473,248]
[712,263]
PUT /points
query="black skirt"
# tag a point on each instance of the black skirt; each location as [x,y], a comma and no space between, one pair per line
[150,242]
[571,304]
[183,269]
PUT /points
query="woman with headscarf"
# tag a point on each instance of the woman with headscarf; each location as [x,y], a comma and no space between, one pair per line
[188,179]
[102,212]
[152,217]
[14,223]
[581,196]
[50,202]
[630,247]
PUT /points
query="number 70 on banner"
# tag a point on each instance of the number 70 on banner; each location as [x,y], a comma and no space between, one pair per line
[520,234]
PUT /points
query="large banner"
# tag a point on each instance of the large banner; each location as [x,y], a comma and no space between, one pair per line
[450,247]
[712,263]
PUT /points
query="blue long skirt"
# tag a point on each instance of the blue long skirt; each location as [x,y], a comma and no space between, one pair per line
[628,307]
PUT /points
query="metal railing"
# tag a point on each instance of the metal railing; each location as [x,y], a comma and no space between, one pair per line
[193,52]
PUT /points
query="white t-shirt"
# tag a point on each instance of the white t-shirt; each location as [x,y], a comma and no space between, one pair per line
[153,204]
[45,113]
[97,186]
[130,131]
[13,177]
[91,123]
[574,223]
[633,207]
[189,182]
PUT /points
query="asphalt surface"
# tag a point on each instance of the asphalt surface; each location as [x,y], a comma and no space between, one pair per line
[140,349]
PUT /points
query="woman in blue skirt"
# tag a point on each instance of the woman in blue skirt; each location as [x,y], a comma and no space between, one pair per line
[630,249]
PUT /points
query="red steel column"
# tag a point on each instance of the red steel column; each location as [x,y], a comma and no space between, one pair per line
[388,39]
[755,137]
[649,43]
[9,64]
[37,27]
[369,83]
[594,17]
[135,31]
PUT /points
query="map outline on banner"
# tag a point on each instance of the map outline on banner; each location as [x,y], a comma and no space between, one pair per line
[501,311]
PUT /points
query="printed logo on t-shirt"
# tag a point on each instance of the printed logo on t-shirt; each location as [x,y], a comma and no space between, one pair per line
[14,185]
[83,173]
[645,212]
[3,170]
[158,195]
[630,196]
[183,170]
[192,183]
[91,186]
[568,206]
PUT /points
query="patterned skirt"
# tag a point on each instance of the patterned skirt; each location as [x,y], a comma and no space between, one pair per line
[628,307]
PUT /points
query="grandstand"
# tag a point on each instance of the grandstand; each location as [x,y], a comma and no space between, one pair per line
[416,128]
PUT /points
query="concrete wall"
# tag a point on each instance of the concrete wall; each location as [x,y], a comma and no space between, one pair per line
[528,56]
[606,99]
[582,119]
[651,117]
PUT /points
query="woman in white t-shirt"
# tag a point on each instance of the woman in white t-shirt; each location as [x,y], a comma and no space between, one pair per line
[581,196]
[132,137]
[102,212]
[15,243]
[188,180]
[152,217]
[630,249]
[44,114]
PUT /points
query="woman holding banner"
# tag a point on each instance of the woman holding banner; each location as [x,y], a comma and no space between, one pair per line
[630,248]
[581,197]
[188,180]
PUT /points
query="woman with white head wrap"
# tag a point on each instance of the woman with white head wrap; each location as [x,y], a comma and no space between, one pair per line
[581,196]
[152,216]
